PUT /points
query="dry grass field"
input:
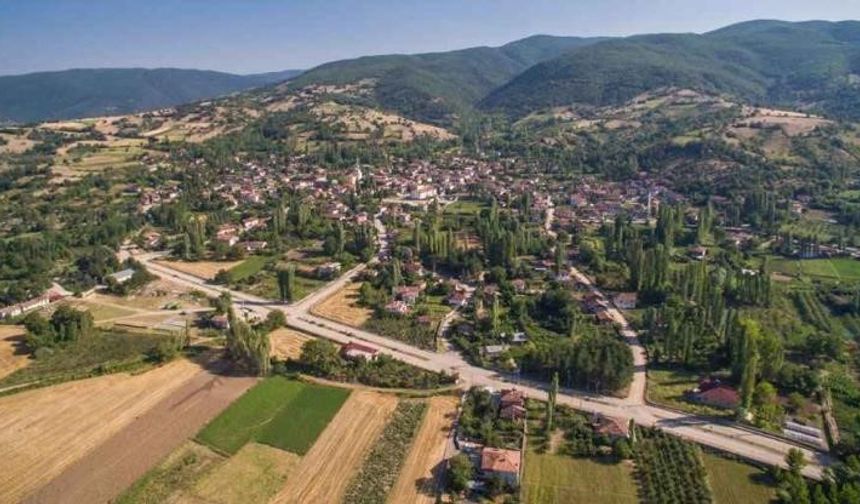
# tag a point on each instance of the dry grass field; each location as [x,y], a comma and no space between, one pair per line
[11,356]
[287,343]
[326,470]
[201,269]
[254,474]
[44,431]
[342,306]
[420,474]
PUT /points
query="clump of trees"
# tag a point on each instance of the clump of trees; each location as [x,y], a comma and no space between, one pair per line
[66,325]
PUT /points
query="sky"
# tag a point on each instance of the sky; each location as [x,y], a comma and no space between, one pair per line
[249,36]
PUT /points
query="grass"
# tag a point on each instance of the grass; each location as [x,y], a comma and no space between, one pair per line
[283,413]
[667,387]
[248,268]
[551,478]
[840,268]
[178,472]
[104,351]
[735,482]
[465,207]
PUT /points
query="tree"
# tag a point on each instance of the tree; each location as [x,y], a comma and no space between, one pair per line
[550,405]
[322,357]
[460,472]
[286,283]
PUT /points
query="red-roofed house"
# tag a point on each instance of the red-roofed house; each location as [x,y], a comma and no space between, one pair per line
[502,463]
[721,396]
[355,351]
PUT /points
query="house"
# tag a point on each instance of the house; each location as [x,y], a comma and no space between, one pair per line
[625,300]
[519,285]
[501,463]
[228,234]
[612,427]
[720,396]
[698,252]
[398,308]
[123,276]
[220,322]
[457,299]
[510,397]
[495,350]
[409,294]
[513,412]
[355,351]
[25,307]
[254,245]
[519,338]
[151,240]
[252,223]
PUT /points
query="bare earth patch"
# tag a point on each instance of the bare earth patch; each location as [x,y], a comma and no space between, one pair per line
[421,474]
[201,269]
[326,470]
[342,306]
[287,343]
[44,431]
[12,355]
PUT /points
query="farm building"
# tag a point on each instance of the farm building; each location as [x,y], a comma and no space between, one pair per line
[721,396]
[625,300]
[123,276]
[355,351]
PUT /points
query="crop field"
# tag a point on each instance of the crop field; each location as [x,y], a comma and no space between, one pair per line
[670,470]
[327,468]
[201,269]
[342,306]
[841,268]
[283,413]
[176,474]
[735,482]
[667,386]
[551,478]
[12,351]
[46,430]
[248,268]
[421,474]
[811,310]
[287,343]
[381,467]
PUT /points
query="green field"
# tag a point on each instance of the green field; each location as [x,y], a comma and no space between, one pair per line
[247,268]
[283,413]
[551,479]
[840,268]
[667,387]
[735,482]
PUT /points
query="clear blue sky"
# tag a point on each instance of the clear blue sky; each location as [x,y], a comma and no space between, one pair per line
[247,36]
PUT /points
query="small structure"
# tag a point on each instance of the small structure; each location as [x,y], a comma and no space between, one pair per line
[355,351]
[719,395]
[328,270]
[494,350]
[625,300]
[123,276]
[615,428]
[25,307]
[220,322]
[501,463]
[519,338]
[252,246]
[698,252]
[457,299]
[409,294]
[398,308]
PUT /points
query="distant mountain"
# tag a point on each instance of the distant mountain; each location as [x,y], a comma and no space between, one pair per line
[811,64]
[431,86]
[94,92]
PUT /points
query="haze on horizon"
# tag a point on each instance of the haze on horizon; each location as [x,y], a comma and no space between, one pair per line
[264,36]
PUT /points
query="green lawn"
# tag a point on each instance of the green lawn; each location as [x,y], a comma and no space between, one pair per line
[551,479]
[840,268]
[284,413]
[249,267]
[465,207]
[735,482]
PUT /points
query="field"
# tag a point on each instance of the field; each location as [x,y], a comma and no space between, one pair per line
[326,470]
[177,473]
[12,354]
[201,269]
[342,306]
[667,387]
[46,430]
[248,268]
[551,479]
[419,476]
[735,482]
[282,413]
[99,353]
[842,268]
[287,343]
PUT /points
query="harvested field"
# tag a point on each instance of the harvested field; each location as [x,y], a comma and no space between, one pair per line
[342,306]
[201,269]
[326,470]
[12,354]
[420,476]
[287,343]
[254,474]
[176,474]
[45,431]
[152,433]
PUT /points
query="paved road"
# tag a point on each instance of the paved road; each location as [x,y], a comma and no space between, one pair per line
[707,431]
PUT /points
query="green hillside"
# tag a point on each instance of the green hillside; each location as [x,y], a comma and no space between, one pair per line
[809,64]
[93,92]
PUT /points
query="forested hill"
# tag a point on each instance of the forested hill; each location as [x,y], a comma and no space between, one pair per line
[433,85]
[94,92]
[811,64]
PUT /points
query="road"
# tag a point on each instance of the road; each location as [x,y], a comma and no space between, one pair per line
[725,436]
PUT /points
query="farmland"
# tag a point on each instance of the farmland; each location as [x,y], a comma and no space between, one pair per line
[254,474]
[551,478]
[287,343]
[248,268]
[382,466]
[735,482]
[279,412]
[419,477]
[342,306]
[841,268]
[12,354]
[670,470]
[327,468]
[46,430]
[201,269]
